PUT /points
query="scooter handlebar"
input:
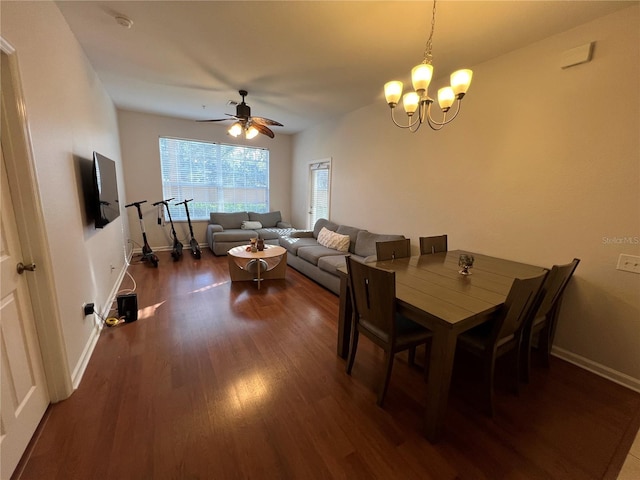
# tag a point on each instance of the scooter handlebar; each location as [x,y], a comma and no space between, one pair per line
[135,204]
[164,202]
[185,201]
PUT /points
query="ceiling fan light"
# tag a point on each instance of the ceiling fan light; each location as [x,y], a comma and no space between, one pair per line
[235,130]
[251,132]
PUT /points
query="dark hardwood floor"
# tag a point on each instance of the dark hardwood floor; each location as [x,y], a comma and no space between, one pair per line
[223,381]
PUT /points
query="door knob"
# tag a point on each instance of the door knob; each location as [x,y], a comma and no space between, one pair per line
[21,267]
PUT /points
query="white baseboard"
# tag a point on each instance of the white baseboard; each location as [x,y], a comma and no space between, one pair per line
[598,369]
[78,372]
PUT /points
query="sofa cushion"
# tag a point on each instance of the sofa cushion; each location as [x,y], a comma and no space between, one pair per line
[234,235]
[353,235]
[323,222]
[366,242]
[312,253]
[250,225]
[331,263]
[229,220]
[292,244]
[268,220]
[274,233]
[334,240]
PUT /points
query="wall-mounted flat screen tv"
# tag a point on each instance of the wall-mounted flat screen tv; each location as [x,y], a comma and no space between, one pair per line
[105,204]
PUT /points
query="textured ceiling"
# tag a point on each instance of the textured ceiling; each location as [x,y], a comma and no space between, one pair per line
[301,61]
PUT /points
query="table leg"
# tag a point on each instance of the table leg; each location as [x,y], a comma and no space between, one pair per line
[345,312]
[259,262]
[443,349]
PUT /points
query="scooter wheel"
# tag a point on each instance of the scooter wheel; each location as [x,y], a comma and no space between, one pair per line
[154,261]
[197,254]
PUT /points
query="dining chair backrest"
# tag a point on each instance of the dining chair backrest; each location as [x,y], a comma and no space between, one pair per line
[522,301]
[555,285]
[373,292]
[434,244]
[393,249]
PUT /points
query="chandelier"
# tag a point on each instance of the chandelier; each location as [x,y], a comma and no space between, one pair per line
[419,100]
[240,127]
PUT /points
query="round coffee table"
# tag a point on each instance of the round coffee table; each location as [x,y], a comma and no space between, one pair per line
[245,265]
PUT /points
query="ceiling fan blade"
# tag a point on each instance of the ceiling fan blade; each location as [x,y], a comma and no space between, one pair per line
[266,121]
[262,129]
[231,117]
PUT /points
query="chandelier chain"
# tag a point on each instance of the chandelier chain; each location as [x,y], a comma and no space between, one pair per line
[428,57]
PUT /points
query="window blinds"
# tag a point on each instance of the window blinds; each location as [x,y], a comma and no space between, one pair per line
[219,178]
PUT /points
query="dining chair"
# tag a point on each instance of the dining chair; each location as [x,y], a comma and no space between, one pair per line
[373,294]
[433,244]
[546,317]
[503,333]
[393,249]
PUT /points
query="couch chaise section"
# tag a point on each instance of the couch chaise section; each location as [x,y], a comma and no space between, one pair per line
[320,262]
[228,230]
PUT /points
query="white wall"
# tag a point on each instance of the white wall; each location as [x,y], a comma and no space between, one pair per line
[69,116]
[539,167]
[140,133]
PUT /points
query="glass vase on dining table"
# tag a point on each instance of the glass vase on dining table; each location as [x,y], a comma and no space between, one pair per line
[465,261]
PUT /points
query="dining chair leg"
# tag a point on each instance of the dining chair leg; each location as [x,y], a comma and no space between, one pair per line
[489,374]
[525,356]
[352,350]
[412,356]
[388,356]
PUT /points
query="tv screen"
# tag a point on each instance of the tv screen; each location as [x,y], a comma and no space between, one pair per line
[106,206]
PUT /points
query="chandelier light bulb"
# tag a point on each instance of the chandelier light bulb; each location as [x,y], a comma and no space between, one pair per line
[393,92]
[421,77]
[460,81]
[446,97]
[410,102]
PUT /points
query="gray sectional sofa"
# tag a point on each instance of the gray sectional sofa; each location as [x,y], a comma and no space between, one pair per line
[320,263]
[228,230]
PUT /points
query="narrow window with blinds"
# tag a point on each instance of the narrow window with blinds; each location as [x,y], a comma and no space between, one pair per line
[218,177]
[319,188]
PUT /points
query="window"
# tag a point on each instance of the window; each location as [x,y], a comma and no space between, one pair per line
[219,178]
[319,188]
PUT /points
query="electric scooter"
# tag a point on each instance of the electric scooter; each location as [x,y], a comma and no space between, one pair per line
[195,248]
[147,253]
[176,251]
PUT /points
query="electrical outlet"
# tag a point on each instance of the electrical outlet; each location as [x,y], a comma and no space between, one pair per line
[88,309]
[629,263]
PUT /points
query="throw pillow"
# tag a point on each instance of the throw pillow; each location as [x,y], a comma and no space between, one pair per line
[334,240]
[250,225]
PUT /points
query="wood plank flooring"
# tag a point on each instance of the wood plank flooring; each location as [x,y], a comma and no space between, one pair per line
[224,381]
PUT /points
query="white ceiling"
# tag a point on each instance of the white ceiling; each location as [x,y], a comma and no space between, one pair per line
[301,61]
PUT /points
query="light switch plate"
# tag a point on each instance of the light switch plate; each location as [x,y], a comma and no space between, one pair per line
[629,263]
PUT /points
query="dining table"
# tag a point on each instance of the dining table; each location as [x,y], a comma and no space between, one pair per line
[431,291]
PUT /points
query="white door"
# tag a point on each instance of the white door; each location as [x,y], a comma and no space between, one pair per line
[319,191]
[23,391]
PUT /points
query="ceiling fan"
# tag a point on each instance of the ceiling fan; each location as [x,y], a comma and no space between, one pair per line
[245,123]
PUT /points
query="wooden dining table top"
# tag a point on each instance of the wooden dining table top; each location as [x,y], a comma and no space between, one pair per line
[432,284]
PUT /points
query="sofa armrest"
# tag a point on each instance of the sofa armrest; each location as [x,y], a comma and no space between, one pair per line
[214,227]
[283,225]
[302,234]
